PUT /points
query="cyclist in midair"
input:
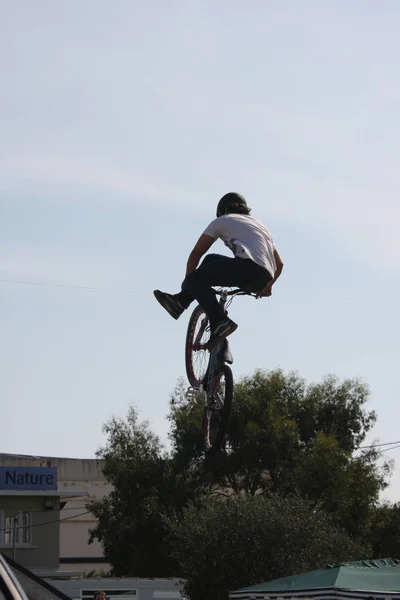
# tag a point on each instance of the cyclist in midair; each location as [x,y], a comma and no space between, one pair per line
[255,266]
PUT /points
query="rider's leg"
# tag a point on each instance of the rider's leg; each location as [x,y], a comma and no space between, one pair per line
[175,304]
[185,296]
[230,272]
[215,270]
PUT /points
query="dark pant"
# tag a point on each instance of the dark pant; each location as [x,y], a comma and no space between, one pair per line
[218,270]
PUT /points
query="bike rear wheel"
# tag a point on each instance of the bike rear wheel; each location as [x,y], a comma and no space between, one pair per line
[218,410]
[196,355]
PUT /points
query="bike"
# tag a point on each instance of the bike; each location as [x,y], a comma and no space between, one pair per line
[209,374]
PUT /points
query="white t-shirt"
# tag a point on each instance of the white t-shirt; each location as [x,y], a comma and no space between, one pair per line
[246,237]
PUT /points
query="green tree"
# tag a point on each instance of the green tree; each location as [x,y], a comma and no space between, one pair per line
[385,531]
[285,436]
[245,540]
[146,487]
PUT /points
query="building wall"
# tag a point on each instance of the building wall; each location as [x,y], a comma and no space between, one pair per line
[73,475]
[83,475]
[129,588]
[42,552]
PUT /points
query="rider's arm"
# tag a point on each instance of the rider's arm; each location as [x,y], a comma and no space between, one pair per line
[203,244]
[267,291]
[279,266]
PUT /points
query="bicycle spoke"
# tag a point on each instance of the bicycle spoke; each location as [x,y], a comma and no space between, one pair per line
[197,355]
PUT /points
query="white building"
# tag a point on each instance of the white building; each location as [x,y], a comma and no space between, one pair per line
[77,480]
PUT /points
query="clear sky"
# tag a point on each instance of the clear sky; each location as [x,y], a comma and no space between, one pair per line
[121,125]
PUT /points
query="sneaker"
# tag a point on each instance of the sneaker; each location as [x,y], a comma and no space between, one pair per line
[170,303]
[221,331]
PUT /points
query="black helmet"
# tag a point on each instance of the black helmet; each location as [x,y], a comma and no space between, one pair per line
[230,201]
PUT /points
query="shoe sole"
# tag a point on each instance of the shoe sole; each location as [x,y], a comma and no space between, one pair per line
[219,339]
[158,296]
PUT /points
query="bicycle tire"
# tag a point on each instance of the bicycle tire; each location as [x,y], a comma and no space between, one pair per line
[197,357]
[213,411]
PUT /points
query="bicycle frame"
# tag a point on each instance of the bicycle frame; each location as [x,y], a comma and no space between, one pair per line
[219,354]
[215,352]
[217,400]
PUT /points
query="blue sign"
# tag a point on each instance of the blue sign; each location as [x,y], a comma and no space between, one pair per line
[28,478]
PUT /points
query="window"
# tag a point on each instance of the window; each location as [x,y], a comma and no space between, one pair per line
[18,523]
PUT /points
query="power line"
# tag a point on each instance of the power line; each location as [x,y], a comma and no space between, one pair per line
[61,509]
[47,522]
[378,445]
[385,446]
[389,449]
[380,448]
[338,300]
[130,291]
[87,512]
[65,285]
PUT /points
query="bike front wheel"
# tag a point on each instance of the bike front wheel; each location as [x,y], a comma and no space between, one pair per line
[218,410]
[197,355]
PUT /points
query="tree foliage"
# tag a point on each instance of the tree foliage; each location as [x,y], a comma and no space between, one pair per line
[294,470]
[227,545]
[384,536]
[287,437]
[146,487]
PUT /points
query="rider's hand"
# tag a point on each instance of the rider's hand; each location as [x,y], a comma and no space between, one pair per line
[267,291]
